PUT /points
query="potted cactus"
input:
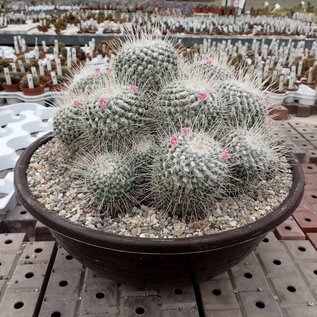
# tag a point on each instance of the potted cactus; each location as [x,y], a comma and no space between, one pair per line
[38,89]
[155,170]
[15,83]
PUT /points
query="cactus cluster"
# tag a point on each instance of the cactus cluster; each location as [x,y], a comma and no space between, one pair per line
[241,105]
[147,61]
[160,130]
[188,171]
[187,102]
[109,179]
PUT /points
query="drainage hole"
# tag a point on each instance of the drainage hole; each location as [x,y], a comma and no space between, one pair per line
[291,289]
[277,262]
[314,196]
[315,272]
[140,310]
[177,291]
[309,167]
[38,250]
[265,240]
[308,219]
[18,305]
[288,227]
[216,292]
[23,212]
[100,295]
[301,249]
[68,257]
[8,241]
[56,314]
[260,304]
[63,283]
[304,144]
[248,275]
[29,275]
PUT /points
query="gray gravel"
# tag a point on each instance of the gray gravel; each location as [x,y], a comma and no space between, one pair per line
[52,182]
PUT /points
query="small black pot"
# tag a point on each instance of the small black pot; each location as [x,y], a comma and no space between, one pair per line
[155,262]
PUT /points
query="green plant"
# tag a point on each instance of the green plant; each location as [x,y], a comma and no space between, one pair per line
[255,156]
[15,79]
[146,60]
[24,82]
[240,104]
[163,130]
[110,180]
[188,174]
[187,101]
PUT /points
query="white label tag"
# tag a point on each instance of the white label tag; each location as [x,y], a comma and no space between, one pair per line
[54,78]
[16,47]
[44,46]
[14,68]
[41,68]
[30,81]
[27,59]
[74,55]
[56,45]
[21,66]
[7,75]
[59,67]
[23,45]
[37,52]
[33,71]
[55,50]
[69,59]
[48,64]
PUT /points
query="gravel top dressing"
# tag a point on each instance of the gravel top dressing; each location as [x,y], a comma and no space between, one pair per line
[53,182]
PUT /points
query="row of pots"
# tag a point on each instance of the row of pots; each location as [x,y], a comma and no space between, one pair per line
[31,91]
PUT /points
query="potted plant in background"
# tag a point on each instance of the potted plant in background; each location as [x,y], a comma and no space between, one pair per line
[38,89]
[149,188]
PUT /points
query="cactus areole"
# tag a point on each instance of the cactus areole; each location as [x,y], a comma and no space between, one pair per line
[157,130]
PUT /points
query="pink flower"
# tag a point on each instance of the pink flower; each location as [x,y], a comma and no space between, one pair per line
[98,70]
[133,89]
[209,61]
[174,140]
[103,102]
[225,154]
[202,96]
[185,131]
[77,103]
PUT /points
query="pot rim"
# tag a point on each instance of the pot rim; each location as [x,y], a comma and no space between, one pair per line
[152,245]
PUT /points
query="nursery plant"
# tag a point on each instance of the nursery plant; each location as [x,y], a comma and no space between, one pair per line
[163,148]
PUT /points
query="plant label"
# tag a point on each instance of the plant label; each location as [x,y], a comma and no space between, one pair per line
[54,78]
[33,71]
[58,67]
[37,52]
[7,76]
[14,68]
[16,47]
[56,46]
[27,59]
[30,81]
[55,50]
[41,68]
[48,64]
[21,66]
[69,58]
[23,46]
[74,55]
[44,46]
